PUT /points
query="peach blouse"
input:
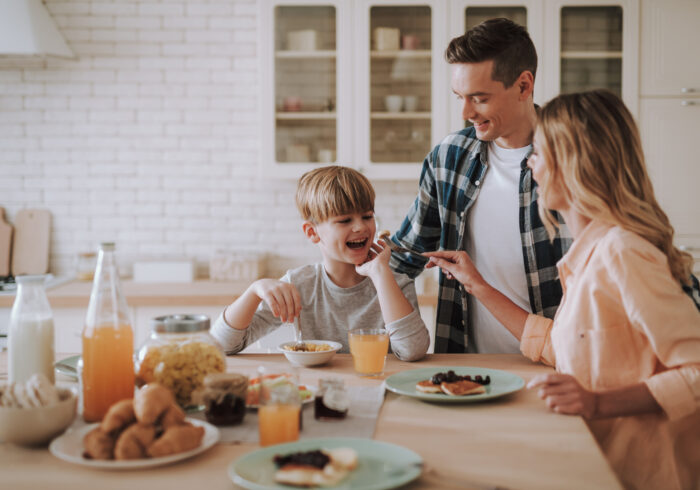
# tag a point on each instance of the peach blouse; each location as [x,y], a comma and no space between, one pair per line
[623,320]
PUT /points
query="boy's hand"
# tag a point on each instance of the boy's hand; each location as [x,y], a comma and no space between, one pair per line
[282,298]
[377,259]
[456,264]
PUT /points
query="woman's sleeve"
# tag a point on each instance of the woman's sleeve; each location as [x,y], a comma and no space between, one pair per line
[657,306]
[536,342]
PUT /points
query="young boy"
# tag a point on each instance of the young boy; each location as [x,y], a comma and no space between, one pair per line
[352,288]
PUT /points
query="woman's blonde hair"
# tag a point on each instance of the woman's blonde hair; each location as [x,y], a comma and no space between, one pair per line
[594,153]
[326,192]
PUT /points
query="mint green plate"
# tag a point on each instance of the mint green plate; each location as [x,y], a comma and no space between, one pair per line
[68,366]
[380,465]
[502,383]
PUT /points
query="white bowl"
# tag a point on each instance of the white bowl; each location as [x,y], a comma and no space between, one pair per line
[37,426]
[310,358]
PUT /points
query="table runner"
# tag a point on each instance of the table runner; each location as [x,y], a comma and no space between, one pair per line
[365,403]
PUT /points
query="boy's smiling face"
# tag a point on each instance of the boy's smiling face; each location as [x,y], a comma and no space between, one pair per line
[345,238]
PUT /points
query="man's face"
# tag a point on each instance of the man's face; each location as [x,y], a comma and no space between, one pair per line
[346,238]
[493,109]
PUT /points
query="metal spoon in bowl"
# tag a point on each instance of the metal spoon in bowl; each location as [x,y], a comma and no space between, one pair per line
[299,345]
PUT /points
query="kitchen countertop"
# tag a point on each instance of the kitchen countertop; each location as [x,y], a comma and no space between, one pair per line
[513,442]
[76,294]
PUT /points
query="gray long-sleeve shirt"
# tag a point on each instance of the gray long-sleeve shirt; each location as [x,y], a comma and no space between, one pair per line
[328,312]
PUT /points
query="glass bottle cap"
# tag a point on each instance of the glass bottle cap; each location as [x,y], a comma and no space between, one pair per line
[180,323]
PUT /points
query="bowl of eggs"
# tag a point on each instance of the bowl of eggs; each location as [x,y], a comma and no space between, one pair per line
[34,412]
[309,352]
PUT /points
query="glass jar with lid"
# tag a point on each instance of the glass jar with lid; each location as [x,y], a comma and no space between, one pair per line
[332,400]
[179,354]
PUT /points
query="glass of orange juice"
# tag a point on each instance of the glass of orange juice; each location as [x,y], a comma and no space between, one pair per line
[369,348]
[279,409]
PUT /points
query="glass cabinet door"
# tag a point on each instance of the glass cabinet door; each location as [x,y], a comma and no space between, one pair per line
[400,83]
[305,98]
[591,48]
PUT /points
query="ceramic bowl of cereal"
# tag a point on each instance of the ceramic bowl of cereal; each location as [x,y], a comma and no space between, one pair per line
[33,413]
[312,353]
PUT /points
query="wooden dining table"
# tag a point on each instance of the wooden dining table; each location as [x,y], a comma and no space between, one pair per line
[511,442]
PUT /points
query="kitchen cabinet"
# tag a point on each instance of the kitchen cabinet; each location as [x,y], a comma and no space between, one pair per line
[591,44]
[358,83]
[670,112]
[363,83]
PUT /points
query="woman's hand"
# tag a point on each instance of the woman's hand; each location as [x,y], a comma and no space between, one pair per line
[282,298]
[456,264]
[377,259]
[563,394]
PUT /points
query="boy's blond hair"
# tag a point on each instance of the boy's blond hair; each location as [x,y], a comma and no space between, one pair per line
[331,191]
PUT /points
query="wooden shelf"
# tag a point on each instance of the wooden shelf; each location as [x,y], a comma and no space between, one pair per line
[591,55]
[305,115]
[400,115]
[328,54]
[401,53]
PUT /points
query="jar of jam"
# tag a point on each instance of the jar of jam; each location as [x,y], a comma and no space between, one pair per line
[179,354]
[332,400]
[223,396]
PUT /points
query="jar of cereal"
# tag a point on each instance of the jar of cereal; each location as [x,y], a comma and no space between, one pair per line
[179,354]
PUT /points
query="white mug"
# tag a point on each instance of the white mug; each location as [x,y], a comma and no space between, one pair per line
[410,103]
[393,103]
[326,155]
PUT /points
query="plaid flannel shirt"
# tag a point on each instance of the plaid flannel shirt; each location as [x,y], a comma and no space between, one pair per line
[449,184]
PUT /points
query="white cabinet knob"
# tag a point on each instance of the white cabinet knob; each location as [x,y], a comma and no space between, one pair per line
[687,90]
[686,103]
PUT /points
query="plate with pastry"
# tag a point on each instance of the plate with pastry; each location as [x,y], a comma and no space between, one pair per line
[347,462]
[457,384]
[150,430]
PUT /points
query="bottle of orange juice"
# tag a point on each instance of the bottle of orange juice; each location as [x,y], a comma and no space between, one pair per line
[107,370]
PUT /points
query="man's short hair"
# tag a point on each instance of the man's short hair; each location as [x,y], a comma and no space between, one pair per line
[506,43]
[326,192]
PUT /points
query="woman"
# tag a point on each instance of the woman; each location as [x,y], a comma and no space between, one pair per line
[626,337]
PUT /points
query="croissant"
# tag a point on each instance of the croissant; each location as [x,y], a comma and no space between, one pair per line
[98,444]
[151,401]
[176,439]
[119,415]
[174,415]
[132,443]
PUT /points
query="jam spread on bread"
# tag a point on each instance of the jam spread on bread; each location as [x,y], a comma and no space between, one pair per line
[317,459]
[451,377]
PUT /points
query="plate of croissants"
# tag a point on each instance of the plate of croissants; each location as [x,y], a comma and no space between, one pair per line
[150,430]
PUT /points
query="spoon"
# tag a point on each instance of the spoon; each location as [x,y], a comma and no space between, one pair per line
[299,345]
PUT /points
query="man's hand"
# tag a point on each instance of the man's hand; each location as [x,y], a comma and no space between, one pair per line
[563,394]
[377,259]
[456,265]
[282,298]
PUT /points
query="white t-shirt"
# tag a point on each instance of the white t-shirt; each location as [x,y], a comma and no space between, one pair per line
[494,245]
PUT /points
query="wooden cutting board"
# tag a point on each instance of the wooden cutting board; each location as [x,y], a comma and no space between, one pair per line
[5,244]
[30,247]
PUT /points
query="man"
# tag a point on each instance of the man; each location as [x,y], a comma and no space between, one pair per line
[476,193]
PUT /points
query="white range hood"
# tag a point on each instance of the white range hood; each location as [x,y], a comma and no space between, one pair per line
[27,31]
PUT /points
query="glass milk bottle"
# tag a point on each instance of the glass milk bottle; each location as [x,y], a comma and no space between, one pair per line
[31,332]
[107,367]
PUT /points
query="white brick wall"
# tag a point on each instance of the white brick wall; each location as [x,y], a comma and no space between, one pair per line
[151,137]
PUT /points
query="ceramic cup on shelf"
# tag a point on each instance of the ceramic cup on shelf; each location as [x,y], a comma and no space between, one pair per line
[326,155]
[410,103]
[410,41]
[393,103]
